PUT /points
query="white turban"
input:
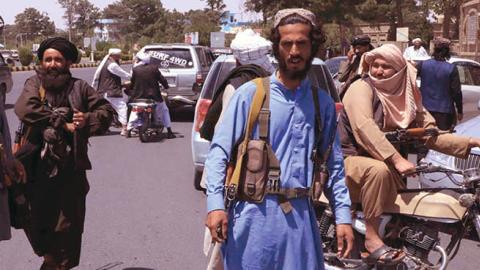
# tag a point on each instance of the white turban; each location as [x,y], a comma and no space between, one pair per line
[96,76]
[417,40]
[249,47]
[143,58]
[114,51]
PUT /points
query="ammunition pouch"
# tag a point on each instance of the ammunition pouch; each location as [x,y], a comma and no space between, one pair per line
[254,175]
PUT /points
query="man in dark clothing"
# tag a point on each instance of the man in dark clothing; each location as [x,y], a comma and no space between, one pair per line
[440,87]
[360,45]
[60,113]
[144,83]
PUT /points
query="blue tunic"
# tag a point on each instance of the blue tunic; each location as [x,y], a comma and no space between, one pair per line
[262,236]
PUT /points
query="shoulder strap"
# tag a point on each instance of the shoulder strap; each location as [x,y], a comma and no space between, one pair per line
[318,122]
[256,106]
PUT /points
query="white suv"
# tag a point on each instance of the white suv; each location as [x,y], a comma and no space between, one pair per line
[185,67]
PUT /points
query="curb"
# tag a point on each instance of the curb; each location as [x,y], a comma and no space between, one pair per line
[28,68]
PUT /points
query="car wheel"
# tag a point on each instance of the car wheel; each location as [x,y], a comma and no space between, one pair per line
[197,178]
[3,93]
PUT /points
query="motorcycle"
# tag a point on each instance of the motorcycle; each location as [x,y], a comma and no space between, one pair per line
[145,124]
[413,223]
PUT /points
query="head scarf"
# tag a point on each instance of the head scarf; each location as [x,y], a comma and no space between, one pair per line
[96,76]
[398,94]
[249,47]
[65,47]
[143,59]
[284,13]
[417,40]
[114,51]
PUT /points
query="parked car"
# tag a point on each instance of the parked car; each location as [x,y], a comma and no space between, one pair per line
[7,57]
[333,65]
[319,75]
[470,128]
[185,67]
[6,81]
[15,55]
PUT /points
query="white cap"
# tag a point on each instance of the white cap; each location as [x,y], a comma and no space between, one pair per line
[145,58]
[114,51]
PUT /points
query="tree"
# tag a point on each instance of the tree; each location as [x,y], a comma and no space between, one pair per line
[215,5]
[136,16]
[450,9]
[201,21]
[32,24]
[81,16]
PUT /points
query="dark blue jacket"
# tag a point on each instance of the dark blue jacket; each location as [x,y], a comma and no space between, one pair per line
[440,86]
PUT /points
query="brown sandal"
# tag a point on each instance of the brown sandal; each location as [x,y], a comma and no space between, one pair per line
[390,256]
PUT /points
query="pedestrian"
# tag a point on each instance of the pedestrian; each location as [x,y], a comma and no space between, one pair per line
[145,79]
[251,55]
[387,100]
[60,113]
[417,51]
[440,86]
[268,235]
[352,71]
[108,82]
[10,171]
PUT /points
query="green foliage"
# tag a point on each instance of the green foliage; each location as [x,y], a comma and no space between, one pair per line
[81,16]
[104,46]
[203,22]
[32,24]
[25,55]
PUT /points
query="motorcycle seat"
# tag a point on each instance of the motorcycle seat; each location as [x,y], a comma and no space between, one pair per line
[438,205]
[442,205]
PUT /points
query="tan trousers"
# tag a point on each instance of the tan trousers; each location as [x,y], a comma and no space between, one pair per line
[372,183]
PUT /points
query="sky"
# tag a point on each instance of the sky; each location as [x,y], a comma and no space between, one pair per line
[55,12]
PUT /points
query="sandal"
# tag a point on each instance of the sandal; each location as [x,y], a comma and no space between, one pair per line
[384,256]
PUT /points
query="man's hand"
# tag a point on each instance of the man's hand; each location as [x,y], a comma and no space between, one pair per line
[402,165]
[474,142]
[217,221]
[459,116]
[79,119]
[70,127]
[344,235]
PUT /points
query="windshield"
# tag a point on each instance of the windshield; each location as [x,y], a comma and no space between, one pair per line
[171,58]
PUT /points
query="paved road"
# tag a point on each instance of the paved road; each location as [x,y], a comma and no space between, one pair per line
[142,210]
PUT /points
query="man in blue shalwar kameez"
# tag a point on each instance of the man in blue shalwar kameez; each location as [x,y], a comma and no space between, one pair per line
[262,236]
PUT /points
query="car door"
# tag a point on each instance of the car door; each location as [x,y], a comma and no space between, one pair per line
[469,74]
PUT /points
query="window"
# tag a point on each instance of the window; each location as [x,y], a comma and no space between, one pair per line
[201,57]
[171,57]
[469,73]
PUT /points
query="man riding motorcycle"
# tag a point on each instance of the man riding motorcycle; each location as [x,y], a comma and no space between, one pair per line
[388,99]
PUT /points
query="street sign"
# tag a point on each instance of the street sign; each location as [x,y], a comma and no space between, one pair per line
[191,38]
[402,34]
[217,39]
[86,42]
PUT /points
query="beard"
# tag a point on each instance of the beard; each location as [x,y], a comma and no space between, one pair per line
[54,79]
[294,74]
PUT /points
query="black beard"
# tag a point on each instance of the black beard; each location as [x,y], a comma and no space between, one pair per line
[294,74]
[54,79]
